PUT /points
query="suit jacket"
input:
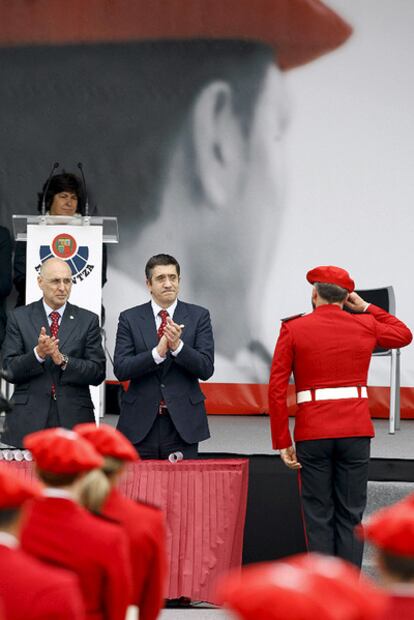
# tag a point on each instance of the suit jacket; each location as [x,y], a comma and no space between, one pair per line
[30,589]
[80,339]
[145,529]
[328,348]
[62,533]
[176,381]
[5,277]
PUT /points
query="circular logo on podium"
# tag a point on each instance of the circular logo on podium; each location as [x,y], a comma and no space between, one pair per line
[64,246]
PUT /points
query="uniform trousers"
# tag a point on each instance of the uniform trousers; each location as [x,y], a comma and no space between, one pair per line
[333,487]
[163,439]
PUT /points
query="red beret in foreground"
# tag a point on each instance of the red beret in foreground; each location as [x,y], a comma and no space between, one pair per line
[14,490]
[340,579]
[392,529]
[108,441]
[298,30]
[60,451]
[280,590]
[328,274]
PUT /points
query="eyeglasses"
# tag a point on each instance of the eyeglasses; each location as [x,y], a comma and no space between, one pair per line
[57,281]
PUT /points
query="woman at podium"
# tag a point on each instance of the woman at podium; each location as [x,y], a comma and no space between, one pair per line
[64,196]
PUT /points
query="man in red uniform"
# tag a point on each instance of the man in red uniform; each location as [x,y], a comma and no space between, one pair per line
[329,352]
[391,530]
[306,587]
[61,532]
[29,589]
[143,524]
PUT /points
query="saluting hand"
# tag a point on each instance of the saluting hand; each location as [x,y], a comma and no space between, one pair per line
[288,456]
[356,303]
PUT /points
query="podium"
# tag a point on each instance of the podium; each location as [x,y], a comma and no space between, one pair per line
[78,241]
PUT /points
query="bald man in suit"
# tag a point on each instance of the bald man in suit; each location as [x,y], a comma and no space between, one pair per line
[52,353]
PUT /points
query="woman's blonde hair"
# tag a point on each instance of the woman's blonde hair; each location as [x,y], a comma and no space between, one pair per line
[93,490]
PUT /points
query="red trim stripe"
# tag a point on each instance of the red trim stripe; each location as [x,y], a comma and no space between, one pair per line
[251,399]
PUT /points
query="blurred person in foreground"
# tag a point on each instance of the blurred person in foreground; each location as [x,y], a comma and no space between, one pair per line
[329,352]
[58,530]
[52,353]
[143,524]
[391,531]
[302,587]
[29,589]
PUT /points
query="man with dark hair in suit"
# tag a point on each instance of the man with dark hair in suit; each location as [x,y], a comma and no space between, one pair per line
[164,347]
[5,277]
[52,353]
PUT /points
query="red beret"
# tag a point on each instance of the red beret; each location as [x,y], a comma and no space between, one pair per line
[280,590]
[14,490]
[60,451]
[298,30]
[392,528]
[338,579]
[108,441]
[328,274]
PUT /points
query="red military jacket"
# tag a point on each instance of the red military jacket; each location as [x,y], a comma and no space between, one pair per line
[31,590]
[400,607]
[328,348]
[60,532]
[144,526]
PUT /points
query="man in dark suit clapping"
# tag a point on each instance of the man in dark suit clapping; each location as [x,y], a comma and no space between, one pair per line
[163,348]
[52,353]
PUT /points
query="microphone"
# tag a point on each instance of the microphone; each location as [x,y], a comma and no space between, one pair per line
[55,165]
[84,189]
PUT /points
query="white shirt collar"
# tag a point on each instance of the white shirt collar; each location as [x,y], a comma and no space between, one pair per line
[48,309]
[56,492]
[8,540]
[156,308]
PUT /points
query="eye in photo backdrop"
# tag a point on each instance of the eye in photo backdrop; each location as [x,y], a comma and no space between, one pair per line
[205,150]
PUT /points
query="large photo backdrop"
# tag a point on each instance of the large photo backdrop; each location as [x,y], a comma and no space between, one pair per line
[203,149]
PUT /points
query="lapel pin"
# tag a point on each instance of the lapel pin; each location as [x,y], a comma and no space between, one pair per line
[71,317]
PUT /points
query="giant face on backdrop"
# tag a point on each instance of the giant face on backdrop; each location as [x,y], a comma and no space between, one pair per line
[181,131]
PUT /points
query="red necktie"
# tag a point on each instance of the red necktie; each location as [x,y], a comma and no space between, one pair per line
[54,327]
[163,314]
[54,330]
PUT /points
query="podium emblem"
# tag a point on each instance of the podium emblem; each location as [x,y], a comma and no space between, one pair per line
[65,247]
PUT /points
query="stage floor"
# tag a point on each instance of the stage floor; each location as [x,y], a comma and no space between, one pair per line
[251,435]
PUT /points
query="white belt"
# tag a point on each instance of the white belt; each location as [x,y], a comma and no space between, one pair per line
[331,394]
